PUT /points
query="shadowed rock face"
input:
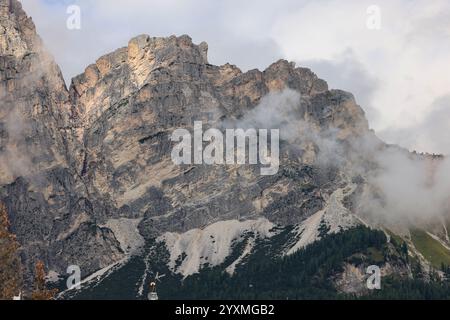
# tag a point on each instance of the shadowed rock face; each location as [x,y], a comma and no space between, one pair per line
[34,101]
[49,205]
[77,158]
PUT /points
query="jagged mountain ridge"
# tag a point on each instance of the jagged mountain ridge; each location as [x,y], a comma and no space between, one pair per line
[102,182]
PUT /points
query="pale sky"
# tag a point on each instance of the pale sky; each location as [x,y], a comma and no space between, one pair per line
[399,73]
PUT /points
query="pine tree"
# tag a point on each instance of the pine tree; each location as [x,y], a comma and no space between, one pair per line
[10,266]
[405,249]
[40,289]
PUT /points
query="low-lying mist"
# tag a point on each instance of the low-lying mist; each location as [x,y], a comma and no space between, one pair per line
[400,187]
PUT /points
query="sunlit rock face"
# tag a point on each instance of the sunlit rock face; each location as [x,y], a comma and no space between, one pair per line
[130,101]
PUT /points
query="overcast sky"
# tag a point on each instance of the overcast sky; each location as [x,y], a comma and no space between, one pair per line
[399,73]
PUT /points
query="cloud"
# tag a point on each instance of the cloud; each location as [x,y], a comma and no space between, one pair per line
[431,133]
[401,188]
[286,111]
[406,190]
[434,131]
[408,56]
[14,160]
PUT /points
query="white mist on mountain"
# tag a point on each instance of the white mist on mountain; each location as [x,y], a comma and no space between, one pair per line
[13,159]
[407,190]
[16,122]
[403,187]
[430,132]
[284,110]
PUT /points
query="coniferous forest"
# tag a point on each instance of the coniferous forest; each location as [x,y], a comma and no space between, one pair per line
[310,273]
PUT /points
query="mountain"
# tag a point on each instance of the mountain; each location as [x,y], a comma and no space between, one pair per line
[88,179]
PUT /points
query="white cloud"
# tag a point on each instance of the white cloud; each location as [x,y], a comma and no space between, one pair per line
[431,133]
[408,56]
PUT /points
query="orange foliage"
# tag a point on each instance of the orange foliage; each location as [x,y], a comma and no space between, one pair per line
[40,290]
[10,266]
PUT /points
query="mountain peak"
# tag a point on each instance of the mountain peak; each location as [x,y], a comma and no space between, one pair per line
[18,33]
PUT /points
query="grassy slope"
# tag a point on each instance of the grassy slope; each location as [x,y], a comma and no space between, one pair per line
[430,248]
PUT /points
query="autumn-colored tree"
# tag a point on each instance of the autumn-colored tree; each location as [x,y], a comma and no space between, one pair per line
[10,266]
[40,289]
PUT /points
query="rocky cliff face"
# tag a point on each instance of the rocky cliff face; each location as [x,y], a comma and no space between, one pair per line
[130,102]
[47,202]
[85,169]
